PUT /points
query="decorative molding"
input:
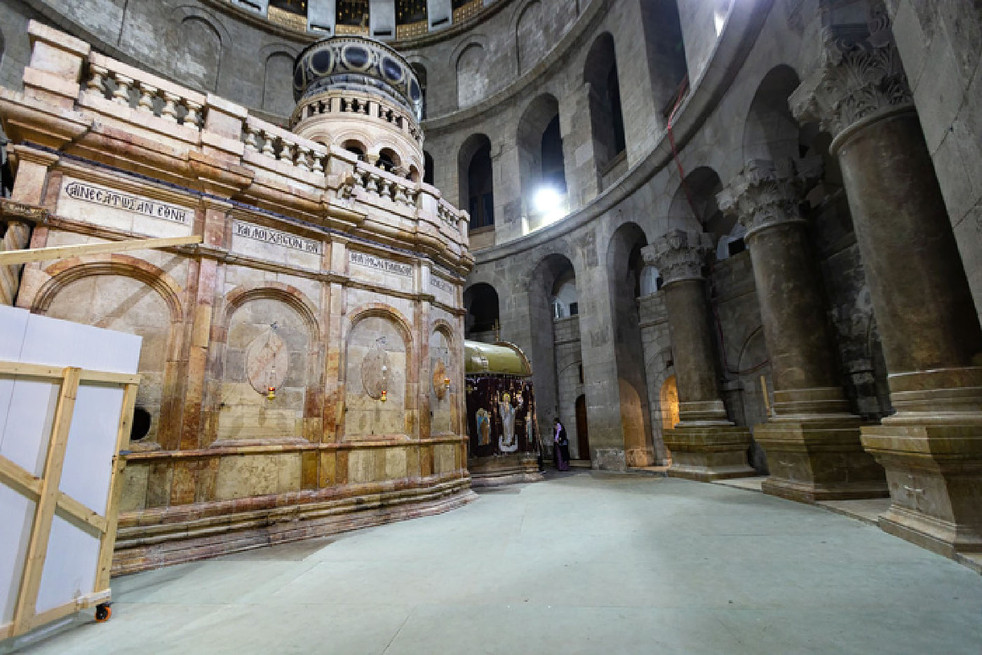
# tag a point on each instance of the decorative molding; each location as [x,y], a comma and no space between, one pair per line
[860,76]
[11,210]
[768,193]
[679,255]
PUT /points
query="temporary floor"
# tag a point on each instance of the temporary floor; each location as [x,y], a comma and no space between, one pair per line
[583,562]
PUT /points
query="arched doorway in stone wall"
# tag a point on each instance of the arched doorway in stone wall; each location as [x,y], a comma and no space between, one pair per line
[582,444]
[669,400]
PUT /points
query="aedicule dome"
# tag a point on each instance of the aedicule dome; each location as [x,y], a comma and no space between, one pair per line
[356,64]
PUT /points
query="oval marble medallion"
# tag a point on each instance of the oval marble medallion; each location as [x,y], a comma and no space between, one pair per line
[267,361]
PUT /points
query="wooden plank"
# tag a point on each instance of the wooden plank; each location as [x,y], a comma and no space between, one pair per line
[21,481]
[20,369]
[11,257]
[79,515]
[31,370]
[44,512]
[112,378]
[115,488]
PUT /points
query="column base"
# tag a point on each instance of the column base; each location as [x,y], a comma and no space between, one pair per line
[710,452]
[811,461]
[934,474]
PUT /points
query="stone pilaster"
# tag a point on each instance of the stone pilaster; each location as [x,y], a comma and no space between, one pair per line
[932,447]
[19,219]
[704,444]
[812,442]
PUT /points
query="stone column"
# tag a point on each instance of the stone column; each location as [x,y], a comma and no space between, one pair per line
[812,441]
[932,447]
[705,445]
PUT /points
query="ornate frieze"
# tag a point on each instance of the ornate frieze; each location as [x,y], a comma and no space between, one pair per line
[768,193]
[861,75]
[679,254]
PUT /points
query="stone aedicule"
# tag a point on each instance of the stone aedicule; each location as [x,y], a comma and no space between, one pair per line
[286,359]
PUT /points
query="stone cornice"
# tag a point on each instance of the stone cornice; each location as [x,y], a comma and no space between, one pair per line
[767,193]
[679,255]
[861,76]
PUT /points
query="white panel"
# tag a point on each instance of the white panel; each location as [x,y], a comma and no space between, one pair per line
[63,343]
[91,446]
[69,567]
[439,12]
[16,517]
[30,412]
[321,15]
[13,326]
[382,19]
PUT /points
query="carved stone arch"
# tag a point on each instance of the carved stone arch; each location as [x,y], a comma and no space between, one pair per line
[285,293]
[469,61]
[769,130]
[277,94]
[269,340]
[66,271]
[130,295]
[521,11]
[446,370]
[343,138]
[186,16]
[558,249]
[377,403]
[473,39]
[183,12]
[380,310]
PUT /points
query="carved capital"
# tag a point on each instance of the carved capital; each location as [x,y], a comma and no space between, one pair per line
[767,193]
[861,76]
[679,254]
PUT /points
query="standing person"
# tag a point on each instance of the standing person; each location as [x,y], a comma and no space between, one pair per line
[561,447]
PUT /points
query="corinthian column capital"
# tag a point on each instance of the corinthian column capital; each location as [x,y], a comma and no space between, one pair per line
[860,77]
[679,254]
[768,193]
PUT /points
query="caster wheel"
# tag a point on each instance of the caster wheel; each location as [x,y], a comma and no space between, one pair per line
[103,612]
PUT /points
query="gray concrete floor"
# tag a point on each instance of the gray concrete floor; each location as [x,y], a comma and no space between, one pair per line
[584,562]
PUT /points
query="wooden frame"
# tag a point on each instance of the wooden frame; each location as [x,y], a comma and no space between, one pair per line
[49,500]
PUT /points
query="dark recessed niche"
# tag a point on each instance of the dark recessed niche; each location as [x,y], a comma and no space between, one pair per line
[392,70]
[356,57]
[321,61]
[141,424]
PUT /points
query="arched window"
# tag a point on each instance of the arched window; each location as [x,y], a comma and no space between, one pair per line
[606,116]
[388,159]
[666,54]
[477,181]
[481,301]
[420,71]
[427,168]
[553,162]
[541,163]
[356,147]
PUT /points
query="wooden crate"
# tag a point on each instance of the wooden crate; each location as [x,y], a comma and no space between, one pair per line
[51,502]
